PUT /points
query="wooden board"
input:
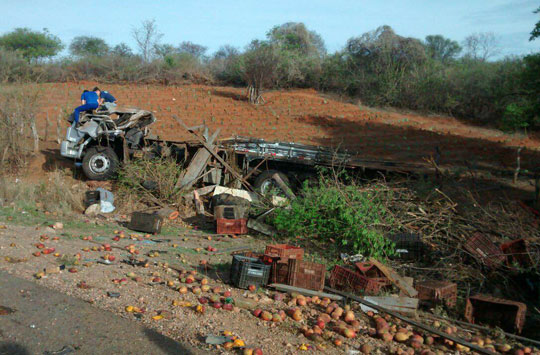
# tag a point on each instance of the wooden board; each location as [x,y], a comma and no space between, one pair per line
[405,305]
[197,164]
[397,280]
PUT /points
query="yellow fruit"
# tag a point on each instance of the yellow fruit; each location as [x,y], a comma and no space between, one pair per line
[129,309]
[239,343]
[158,317]
[401,337]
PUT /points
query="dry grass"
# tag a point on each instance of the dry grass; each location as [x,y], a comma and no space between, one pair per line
[59,193]
[18,108]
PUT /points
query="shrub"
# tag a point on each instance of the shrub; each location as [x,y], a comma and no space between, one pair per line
[145,180]
[352,217]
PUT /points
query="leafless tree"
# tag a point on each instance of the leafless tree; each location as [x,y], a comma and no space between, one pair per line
[147,37]
[481,46]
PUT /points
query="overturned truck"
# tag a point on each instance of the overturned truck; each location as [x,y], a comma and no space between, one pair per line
[102,141]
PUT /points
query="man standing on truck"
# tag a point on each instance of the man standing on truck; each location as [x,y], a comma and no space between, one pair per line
[89,100]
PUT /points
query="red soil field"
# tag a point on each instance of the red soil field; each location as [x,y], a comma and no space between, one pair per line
[305,116]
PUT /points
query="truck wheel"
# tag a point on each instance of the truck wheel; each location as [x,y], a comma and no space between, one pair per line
[100,163]
[264,182]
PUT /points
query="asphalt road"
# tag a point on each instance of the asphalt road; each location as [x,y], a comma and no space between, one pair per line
[44,321]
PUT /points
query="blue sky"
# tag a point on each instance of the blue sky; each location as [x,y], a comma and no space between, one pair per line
[213,23]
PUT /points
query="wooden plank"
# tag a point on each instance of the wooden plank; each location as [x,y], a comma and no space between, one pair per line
[304,291]
[412,322]
[397,280]
[199,207]
[218,158]
[198,163]
[405,305]
[283,186]
[206,190]
[261,227]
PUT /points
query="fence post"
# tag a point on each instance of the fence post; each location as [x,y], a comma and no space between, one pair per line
[58,130]
[35,135]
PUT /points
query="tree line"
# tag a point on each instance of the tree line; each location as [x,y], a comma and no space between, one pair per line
[379,68]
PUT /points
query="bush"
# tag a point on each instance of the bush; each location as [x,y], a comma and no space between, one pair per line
[352,217]
[145,180]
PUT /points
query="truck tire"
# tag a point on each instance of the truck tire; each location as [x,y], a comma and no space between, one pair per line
[100,163]
[264,181]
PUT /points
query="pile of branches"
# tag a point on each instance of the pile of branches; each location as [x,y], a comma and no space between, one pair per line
[445,224]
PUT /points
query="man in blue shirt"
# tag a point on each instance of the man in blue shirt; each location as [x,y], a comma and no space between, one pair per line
[89,100]
[107,101]
[106,96]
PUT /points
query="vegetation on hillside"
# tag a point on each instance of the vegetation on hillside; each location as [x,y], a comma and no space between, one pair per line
[380,68]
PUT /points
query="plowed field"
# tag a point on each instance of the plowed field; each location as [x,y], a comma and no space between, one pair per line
[305,116]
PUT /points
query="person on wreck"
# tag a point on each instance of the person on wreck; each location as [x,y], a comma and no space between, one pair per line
[89,102]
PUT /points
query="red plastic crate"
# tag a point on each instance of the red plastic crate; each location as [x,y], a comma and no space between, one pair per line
[285,251]
[509,315]
[231,226]
[305,274]
[517,251]
[280,273]
[344,278]
[484,249]
[437,291]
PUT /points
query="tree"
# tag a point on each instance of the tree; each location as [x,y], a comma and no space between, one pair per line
[83,46]
[378,63]
[535,33]
[440,48]
[259,68]
[122,50]
[147,37]
[194,49]
[481,46]
[32,45]
[163,50]
[294,36]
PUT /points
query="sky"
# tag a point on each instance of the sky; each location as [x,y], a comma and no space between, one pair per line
[213,23]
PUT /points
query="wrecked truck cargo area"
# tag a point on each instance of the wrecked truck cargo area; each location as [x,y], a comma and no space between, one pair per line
[243,254]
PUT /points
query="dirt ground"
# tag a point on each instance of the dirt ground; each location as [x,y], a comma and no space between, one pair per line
[40,320]
[179,248]
[305,116]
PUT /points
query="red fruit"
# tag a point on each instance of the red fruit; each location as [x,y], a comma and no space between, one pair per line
[227,294]
[349,333]
[110,257]
[252,288]
[203,300]
[72,270]
[257,312]
[257,351]
[267,316]
[40,245]
[217,305]
[117,238]
[189,280]
[228,307]
[46,251]
[37,253]
[321,324]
